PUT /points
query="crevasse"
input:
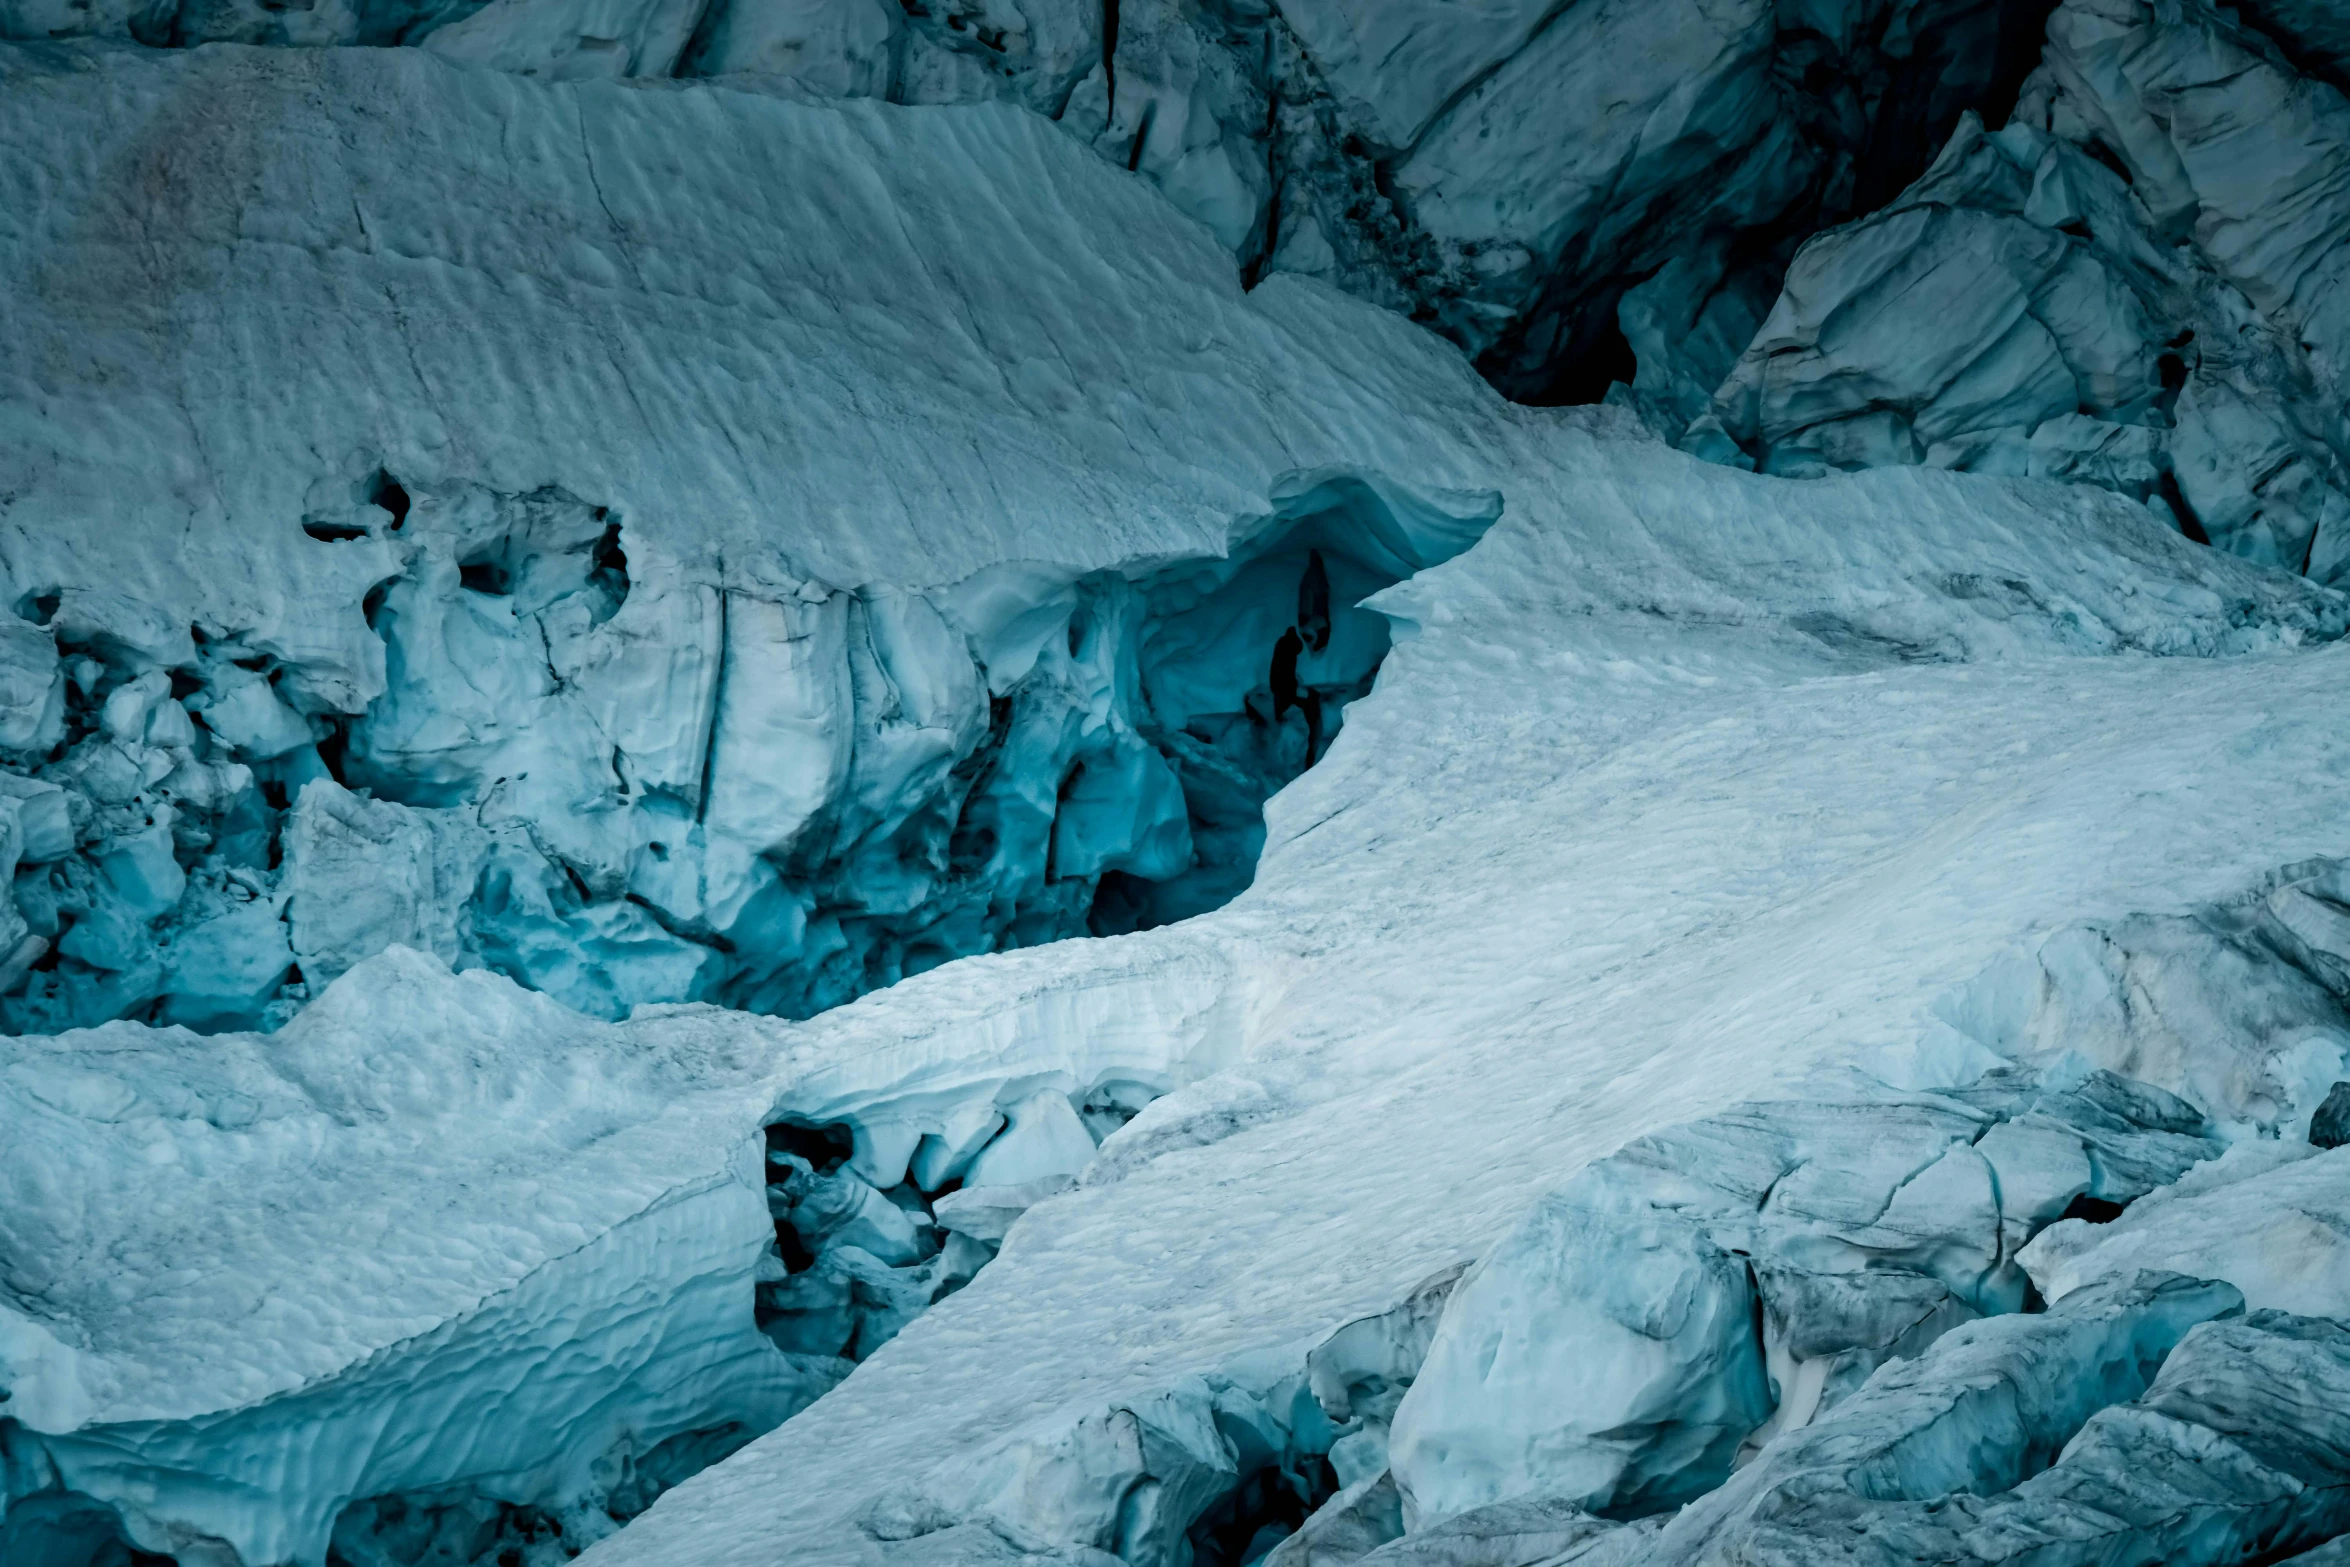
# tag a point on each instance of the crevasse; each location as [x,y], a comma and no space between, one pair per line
[622,779]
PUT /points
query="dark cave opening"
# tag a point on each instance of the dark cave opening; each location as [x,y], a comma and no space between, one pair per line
[387,492]
[1267,1507]
[2095,1210]
[1247,665]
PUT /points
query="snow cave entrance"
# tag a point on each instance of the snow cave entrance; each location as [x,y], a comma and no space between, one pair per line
[1247,665]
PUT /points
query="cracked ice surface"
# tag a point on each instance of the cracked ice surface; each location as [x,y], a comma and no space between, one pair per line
[1605,852]
[726,599]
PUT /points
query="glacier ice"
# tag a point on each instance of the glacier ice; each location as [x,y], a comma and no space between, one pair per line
[1606,1350]
[1410,152]
[2231,1449]
[1160,1228]
[1635,248]
[566,739]
[2266,1218]
[2125,285]
[346,1233]
[761,556]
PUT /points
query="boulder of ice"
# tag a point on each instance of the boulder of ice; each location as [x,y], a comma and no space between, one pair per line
[1347,1528]
[840,1210]
[2124,286]
[1607,1351]
[2237,1005]
[32,687]
[1516,1533]
[2055,1438]
[362,875]
[1044,1139]
[1600,1352]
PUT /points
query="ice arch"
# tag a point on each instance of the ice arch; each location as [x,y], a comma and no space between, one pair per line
[1209,663]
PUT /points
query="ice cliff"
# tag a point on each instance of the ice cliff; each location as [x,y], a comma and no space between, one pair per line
[751,798]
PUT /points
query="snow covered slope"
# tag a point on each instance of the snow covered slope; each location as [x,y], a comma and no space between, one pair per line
[251,1281]
[1609,848]
[679,485]
[1680,785]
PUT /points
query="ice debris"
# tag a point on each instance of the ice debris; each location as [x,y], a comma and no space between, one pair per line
[1213,1471]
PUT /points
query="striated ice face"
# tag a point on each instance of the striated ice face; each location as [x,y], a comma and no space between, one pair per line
[620,787]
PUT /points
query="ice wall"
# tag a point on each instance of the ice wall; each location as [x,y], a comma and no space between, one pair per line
[622,789]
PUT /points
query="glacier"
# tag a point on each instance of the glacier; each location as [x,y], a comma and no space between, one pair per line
[821,783]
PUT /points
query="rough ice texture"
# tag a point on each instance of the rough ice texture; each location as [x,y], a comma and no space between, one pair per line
[2273,1225]
[1675,784]
[1606,1351]
[1667,945]
[1706,139]
[2130,284]
[748,653]
[2055,1439]
[254,1280]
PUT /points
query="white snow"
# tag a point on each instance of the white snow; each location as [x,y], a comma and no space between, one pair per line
[252,1279]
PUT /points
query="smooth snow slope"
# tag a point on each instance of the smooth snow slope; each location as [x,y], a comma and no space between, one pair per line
[1668,799]
[784,341]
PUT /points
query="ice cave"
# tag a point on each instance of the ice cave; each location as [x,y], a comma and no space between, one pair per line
[1174,783]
